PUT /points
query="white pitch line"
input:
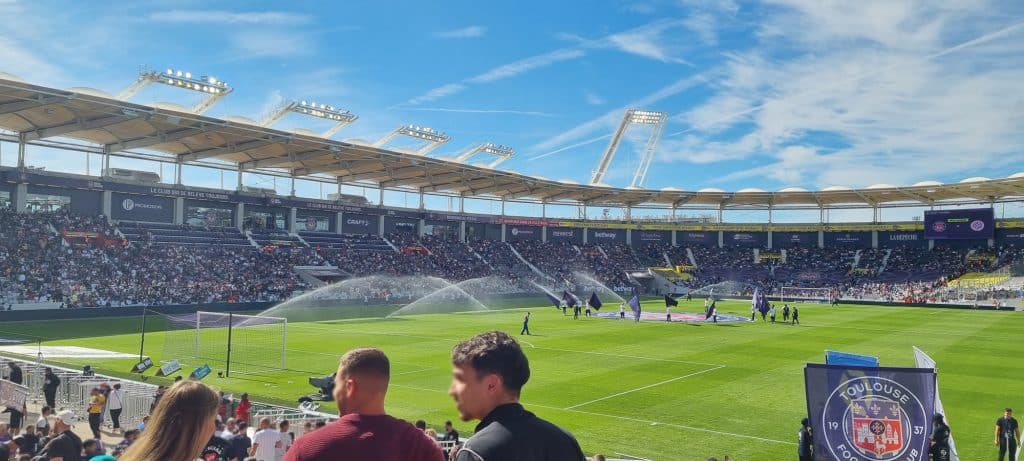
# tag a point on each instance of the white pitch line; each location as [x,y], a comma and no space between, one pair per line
[632,357]
[677,378]
[680,426]
[625,418]
[527,343]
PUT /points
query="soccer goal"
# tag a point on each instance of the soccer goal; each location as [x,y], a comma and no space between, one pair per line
[234,343]
[816,295]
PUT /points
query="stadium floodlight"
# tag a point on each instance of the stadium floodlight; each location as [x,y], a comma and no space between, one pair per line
[633,117]
[433,137]
[502,152]
[313,109]
[213,88]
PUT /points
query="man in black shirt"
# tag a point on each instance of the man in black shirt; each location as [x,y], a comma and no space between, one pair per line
[65,445]
[805,441]
[450,435]
[50,384]
[1007,434]
[940,439]
[489,371]
[15,376]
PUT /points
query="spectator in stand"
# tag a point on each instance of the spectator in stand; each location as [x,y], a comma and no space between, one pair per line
[241,443]
[489,371]
[15,376]
[65,445]
[96,403]
[286,440]
[115,402]
[242,413]
[182,423]
[130,436]
[265,442]
[29,442]
[364,430]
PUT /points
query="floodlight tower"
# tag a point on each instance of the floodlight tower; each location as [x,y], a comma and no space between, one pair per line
[633,117]
[502,152]
[312,109]
[433,137]
[213,88]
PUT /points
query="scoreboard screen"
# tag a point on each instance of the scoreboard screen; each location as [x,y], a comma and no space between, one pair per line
[974,223]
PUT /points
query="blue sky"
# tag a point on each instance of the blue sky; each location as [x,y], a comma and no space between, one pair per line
[775,94]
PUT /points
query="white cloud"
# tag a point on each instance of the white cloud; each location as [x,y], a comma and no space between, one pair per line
[484,111]
[220,17]
[465,32]
[261,43]
[525,65]
[650,41]
[593,99]
[880,92]
[437,93]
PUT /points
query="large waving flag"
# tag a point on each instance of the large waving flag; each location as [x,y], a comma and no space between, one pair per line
[554,300]
[755,302]
[594,301]
[923,360]
[570,299]
[670,301]
[634,304]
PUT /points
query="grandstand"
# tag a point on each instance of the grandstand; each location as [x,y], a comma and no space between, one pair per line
[77,241]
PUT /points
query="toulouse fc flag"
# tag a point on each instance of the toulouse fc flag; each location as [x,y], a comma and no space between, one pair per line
[870,413]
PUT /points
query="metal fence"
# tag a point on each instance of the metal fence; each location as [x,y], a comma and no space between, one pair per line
[75,387]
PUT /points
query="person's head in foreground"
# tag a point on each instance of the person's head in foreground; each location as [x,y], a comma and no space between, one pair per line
[181,424]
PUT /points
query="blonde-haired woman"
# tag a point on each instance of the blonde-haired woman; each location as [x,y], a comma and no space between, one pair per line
[180,425]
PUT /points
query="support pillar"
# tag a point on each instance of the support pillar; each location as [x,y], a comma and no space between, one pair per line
[20,197]
[239,215]
[21,151]
[105,199]
[179,210]
[292,214]
[337,222]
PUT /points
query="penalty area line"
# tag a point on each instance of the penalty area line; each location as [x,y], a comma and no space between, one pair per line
[677,378]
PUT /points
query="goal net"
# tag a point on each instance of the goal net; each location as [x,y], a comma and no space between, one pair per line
[234,343]
[818,295]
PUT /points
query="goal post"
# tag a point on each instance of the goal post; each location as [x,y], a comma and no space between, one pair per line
[818,295]
[236,343]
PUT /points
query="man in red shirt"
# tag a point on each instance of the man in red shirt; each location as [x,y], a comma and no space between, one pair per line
[364,431]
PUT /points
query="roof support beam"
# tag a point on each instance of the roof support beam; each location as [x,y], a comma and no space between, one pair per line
[362,166]
[290,158]
[159,138]
[433,180]
[228,149]
[78,125]
[30,104]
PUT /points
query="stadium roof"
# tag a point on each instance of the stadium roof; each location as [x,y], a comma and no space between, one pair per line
[37,113]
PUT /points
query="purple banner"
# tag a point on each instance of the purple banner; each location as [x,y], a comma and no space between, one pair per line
[640,237]
[870,413]
[606,236]
[794,239]
[565,234]
[519,232]
[707,239]
[745,239]
[892,239]
[848,239]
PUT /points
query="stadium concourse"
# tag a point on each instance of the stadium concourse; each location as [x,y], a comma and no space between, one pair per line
[127,264]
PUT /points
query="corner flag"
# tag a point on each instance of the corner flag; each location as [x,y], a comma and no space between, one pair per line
[634,304]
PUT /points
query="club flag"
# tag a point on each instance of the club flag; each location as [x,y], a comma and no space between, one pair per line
[923,360]
[670,301]
[870,413]
[754,301]
[634,304]
[570,299]
[594,301]
[709,311]
[554,300]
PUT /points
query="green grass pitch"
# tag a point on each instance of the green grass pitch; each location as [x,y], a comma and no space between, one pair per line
[654,390]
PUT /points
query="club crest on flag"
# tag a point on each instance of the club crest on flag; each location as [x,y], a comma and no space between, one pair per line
[877,426]
[874,418]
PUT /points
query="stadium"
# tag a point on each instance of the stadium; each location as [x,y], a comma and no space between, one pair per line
[143,277]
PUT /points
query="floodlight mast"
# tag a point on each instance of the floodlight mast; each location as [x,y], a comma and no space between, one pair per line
[210,86]
[433,137]
[312,109]
[632,117]
[502,152]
